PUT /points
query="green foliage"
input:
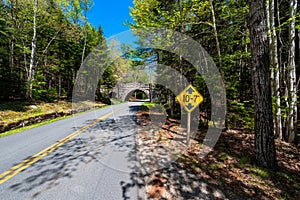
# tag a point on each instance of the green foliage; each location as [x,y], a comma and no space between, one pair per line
[261,173]
[194,18]
[149,104]
[244,161]
[223,156]
[215,167]
[240,115]
[61,31]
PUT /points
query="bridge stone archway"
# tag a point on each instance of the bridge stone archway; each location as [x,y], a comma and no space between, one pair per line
[122,90]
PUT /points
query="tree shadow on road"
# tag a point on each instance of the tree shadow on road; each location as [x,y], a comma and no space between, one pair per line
[67,160]
[160,172]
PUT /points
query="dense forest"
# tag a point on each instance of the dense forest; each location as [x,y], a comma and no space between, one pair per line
[233,32]
[255,45]
[43,44]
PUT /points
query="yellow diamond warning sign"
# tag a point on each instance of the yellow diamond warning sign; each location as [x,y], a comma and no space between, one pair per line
[189,98]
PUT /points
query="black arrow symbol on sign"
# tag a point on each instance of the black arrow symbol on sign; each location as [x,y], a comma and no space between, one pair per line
[190,91]
[189,106]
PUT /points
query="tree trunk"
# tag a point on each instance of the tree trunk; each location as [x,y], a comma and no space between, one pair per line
[216,37]
[291,79]
[85,30]
[275,71]
[33,52]
[11,53]
[59,86]
[84,47]
[265,153]
[276,86]
[13,11]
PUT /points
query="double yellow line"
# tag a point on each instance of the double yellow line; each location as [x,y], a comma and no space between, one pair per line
[28,162]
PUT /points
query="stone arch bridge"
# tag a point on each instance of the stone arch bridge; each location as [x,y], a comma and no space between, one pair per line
[123,91]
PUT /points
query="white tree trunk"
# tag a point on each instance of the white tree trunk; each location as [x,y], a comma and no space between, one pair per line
[85,30]
[11,53]
[216,36]
[59,86]
[275,71]
[291,82]
[84,47]
[33,52]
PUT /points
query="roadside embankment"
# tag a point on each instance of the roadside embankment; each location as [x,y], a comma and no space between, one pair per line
[19,114]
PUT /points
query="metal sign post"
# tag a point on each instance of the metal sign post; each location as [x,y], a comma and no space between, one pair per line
[188,131]
[189,98]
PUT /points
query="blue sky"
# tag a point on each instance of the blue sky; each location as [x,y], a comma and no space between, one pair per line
[110,14]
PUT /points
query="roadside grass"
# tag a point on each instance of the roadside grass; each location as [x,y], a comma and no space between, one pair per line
[32,126]
[149,104]
[116,101]
[13,112]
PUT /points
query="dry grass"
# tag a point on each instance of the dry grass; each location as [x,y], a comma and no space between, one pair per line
[11,112]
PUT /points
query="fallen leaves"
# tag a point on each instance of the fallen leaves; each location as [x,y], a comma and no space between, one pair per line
[231,164]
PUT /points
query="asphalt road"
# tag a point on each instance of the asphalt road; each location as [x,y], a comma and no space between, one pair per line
[74,158]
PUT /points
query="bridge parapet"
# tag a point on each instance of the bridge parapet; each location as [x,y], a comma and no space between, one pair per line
[122,90]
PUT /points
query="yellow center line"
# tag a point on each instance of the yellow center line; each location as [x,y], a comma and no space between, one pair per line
[36,157]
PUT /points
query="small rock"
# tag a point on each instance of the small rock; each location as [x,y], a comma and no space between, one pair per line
[33,106]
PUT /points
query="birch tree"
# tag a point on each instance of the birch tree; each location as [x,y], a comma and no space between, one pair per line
[275,69]
[86,6]
[31,70]
[216,33]
[291,78]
